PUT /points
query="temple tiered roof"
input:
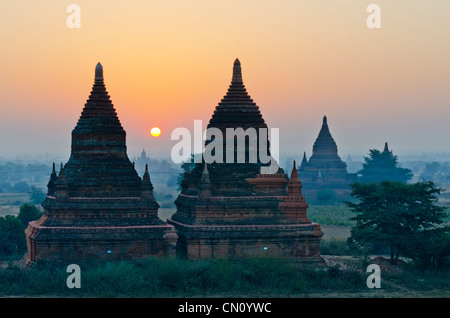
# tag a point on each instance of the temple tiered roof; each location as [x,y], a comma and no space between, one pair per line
[237,108]
[99,165]
[325,146]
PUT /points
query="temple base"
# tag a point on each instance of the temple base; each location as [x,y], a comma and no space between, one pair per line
[293,241]
[72,244]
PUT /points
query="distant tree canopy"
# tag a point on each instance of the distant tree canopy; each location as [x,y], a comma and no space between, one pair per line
[383,166]
[402,217]
[430,171]
[12,230]
[29,212]
[12,236]
[37,195]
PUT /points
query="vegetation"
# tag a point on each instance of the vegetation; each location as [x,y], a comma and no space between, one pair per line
[382,166]
[401,216]
[37,196]
[180,278]
[12,235]
[29,212]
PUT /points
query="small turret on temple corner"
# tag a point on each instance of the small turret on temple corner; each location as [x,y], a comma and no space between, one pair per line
[51,186]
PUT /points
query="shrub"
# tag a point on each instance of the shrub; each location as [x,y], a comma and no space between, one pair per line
[29,212]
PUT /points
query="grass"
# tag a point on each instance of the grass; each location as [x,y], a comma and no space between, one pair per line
[177,278]
[338,214]
[220,278]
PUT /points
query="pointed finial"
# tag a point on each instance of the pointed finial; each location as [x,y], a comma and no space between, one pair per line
[54,169]
[99,72]
[237,73]
[386,148]
[205,183]
[147,186]
[304,162]
[294,184]
[294,172]
[61,169]
[186,167]
[205,175]
[146,176]
[324,120]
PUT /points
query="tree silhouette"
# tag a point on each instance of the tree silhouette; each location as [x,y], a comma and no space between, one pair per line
[383,166]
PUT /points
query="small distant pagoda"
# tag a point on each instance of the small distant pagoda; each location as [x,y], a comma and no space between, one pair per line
[231,210]
[325,169]
[98,206]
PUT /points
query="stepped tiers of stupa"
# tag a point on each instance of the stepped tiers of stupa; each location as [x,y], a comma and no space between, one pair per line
[98,206]
[325,169]
[231,210]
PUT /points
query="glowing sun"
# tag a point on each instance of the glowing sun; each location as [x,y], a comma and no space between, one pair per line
[155,131]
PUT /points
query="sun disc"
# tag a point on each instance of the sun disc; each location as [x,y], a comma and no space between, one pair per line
[155,131]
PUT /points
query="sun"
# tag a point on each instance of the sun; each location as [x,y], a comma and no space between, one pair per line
[155,131]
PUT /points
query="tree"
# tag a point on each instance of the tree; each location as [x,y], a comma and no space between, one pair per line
[21,187]
[12,236]
[430,171]
[383,166]
[429,249]
[326,196]
[37,195]
[29,212]
[394,213]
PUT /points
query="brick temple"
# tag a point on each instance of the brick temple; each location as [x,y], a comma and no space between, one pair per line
[231,210]
[325,170]
[98,206]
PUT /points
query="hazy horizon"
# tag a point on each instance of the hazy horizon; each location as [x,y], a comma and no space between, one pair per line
[167,64]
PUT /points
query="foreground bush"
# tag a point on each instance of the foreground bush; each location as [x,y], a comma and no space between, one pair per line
[172,277]
[178,278]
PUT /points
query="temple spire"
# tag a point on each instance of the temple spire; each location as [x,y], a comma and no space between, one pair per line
[99,72]
[62,190]
[304,162]
[324,143]
[237,72]
[386,147]
[294,184]
[146,176]
[205,183]
[147,186]
[52,182]
[237,108]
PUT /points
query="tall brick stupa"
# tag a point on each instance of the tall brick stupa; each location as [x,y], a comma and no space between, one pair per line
[325,170]
[231,210]
[98,206]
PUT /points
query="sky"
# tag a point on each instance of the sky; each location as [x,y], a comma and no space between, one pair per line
[167,63]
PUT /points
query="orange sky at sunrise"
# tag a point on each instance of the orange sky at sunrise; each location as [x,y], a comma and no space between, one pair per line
[167,63]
